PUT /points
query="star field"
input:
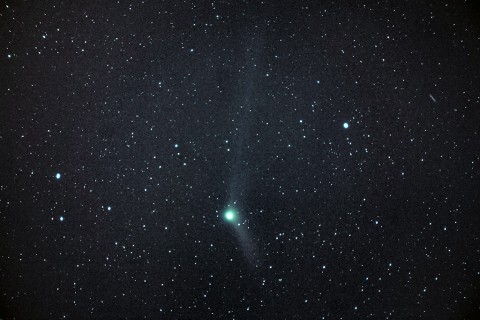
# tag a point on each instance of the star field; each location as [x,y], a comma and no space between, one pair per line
[346,136]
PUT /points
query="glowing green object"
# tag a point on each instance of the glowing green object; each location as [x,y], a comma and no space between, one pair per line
[230,215]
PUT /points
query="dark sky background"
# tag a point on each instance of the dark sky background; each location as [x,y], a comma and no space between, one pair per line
[128,128]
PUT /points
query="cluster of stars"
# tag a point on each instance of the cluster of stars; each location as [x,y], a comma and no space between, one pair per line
[347,161]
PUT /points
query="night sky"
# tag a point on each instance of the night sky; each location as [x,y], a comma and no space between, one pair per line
[239,160]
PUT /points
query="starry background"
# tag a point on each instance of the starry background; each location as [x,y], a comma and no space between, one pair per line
[127,126]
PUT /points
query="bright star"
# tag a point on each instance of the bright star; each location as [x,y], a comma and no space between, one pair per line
[61,218]
[346,125]
[58,176]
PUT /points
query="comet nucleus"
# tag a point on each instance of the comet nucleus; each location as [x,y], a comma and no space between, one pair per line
[230,215]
